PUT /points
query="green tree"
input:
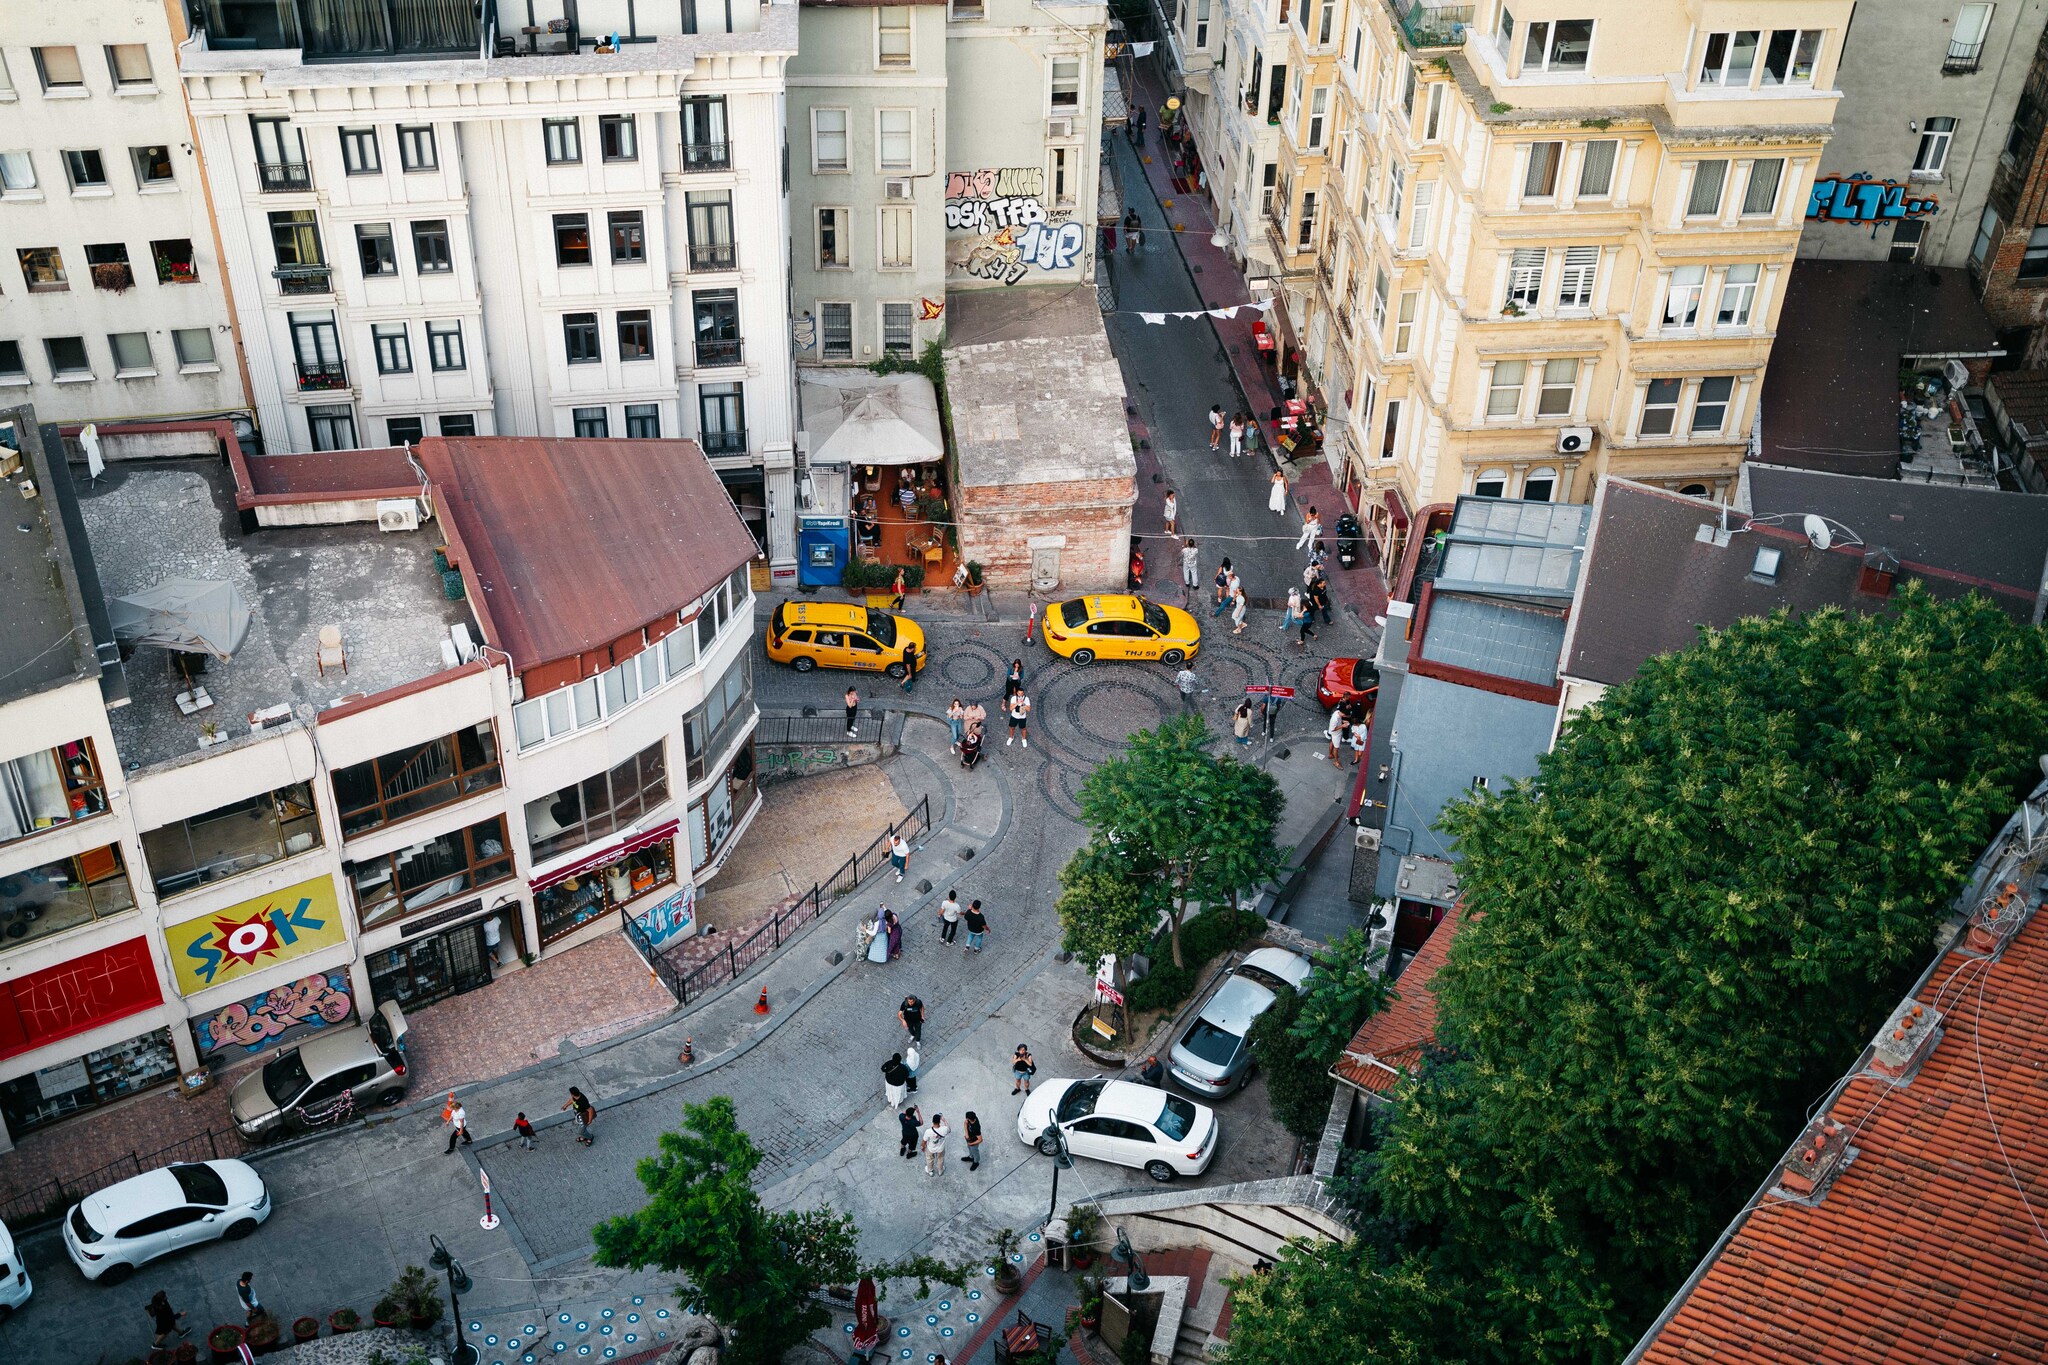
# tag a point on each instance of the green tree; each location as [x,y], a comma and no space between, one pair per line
[1347,987]
[1298,1084]
[1102,914]
[1191,827]
[1333,1301]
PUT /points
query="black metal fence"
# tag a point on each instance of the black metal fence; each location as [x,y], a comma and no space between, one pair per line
[776,731]
[47,1202]
[687,981]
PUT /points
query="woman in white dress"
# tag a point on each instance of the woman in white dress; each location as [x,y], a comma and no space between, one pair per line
[1277,500]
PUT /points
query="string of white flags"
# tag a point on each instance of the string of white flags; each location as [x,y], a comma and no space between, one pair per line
[1159,319]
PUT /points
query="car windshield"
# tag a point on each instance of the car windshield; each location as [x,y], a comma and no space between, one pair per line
[1079,1101]
[1155,617]
[1213,1045]
[1074,614]
[1251,972]
[202,1185]
[285,1078]
[1177,1119]
[1364,676]
[882,626]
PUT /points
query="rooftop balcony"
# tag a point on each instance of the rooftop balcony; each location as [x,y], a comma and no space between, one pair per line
[1428,26]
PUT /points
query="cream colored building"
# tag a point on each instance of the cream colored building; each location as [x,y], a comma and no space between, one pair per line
[1530,244]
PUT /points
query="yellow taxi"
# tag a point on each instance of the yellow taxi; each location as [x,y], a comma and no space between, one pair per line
[808,635]
[1120,626]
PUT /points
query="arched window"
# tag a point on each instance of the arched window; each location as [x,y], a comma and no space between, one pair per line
[1540,484]
[1695,490]
[1491,484]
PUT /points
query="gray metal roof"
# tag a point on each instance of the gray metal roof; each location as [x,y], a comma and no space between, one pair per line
[1511,547]
[1505,639]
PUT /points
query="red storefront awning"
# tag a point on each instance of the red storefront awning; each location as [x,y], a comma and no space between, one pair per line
[609,855]
[1397,509]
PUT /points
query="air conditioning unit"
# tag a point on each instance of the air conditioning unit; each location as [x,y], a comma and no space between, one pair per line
[900,188]
[398,514]
[1059,127]
[1574,440]
[1365,838]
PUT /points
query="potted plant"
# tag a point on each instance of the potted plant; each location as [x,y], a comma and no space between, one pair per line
[1008,1277]
[187,1352]
[305,1329]
[974,583]
[225,1343]
[386,1313]
[263,1335]
[209,734]
[1082,1224]
[343,1320]
[158,1357]
[416,1295]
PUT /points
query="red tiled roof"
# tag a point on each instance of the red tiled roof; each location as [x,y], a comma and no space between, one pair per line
[1929,1246]
[1390,1042]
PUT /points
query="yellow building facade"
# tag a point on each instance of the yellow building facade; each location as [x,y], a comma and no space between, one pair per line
[1521,245]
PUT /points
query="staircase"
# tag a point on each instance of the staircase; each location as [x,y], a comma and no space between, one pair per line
[1191,1344]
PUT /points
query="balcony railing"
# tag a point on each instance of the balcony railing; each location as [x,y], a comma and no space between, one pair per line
[707,156]
[1434,25]
[713,353]
[321,375]
[304,279]
[723,442]
[275,177]
[715,256]
[1962,59]
[114,276]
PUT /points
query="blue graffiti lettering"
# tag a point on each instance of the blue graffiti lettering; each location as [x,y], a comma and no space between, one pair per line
[209,958]
[1862,200]
[297,919]
[1051,247]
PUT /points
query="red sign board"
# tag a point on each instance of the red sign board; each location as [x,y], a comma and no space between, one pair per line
[1264,690]
[1282,692]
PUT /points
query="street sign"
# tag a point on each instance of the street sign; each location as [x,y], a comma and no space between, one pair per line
[1256,689]
[1282,692]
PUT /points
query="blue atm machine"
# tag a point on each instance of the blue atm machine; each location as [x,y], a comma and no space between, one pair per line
[822,550]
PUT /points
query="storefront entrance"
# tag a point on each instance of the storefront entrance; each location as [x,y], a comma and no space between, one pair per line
[434,966]
[113,1073]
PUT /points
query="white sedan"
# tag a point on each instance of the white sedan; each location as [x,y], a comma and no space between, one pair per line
[125,1225]
[1122,1122]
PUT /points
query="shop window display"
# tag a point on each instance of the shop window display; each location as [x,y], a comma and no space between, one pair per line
[98,1078]
[575,901]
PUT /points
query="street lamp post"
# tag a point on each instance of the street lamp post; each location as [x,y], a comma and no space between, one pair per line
[458,1280]
[1062,1160]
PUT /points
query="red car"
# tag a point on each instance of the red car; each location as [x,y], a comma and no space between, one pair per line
[1346,682]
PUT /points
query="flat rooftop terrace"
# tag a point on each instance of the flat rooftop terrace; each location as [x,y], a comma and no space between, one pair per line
[149,521]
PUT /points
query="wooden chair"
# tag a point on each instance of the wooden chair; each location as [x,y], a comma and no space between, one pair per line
[1021,1338]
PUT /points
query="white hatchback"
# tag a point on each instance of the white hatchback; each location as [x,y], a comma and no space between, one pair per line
[1122,1122]
[14,1282]
[154,1214]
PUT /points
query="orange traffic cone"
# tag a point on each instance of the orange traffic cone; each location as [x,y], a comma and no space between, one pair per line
[761,1005]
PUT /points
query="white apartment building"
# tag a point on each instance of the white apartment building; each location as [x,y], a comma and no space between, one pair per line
[112,303]
[445,223]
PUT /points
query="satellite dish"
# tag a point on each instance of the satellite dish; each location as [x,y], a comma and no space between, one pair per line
[1817,531]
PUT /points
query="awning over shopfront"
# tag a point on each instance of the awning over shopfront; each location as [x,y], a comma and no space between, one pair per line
[608,855]
[855,417]
[1397,509]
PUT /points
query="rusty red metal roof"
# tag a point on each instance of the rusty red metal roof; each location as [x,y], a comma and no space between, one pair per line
[566,545]
[1391,1042]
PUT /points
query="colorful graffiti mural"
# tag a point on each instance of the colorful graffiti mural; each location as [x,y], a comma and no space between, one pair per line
[670,918]
[1008,230]
[1859,199]
[264,1021]
[253,934]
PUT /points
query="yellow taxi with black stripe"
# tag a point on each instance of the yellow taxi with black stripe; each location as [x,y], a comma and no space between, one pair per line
[808,635]
[1121,626]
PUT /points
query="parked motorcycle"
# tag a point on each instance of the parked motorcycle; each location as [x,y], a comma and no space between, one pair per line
[1348,535]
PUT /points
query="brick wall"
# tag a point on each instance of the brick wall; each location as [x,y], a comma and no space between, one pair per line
[1094,516]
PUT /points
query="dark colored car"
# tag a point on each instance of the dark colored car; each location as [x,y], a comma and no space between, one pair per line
[1350,683]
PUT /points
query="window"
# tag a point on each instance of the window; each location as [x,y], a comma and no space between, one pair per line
[589,810]
[43,268]
[194,346]
[968,9]
[1789,57]
[1318,111]
[458,424]
[704,140]
[1928,159]
[892,36]
[1738,295]
[1525,278]
[1682,300]
[316,352]
[1704,201]
[1059,165]
[39,901]
[721,429]
[129,64]
[1504,388]
[1906,237]
[1761,195]
[1306,236]
[1390,434]
[1491,483]
[1575,282]
[1966,39]
[333,427]
[1710,404]
[1987,228]
[564,139]
[85,170]
[709,729]
[419,777]
[893,139]
[1764,568]
[403,431]
[617,139]
[579,333]
[1408,82]
[404,881]
[1557,45]
[131,354]
[1596,170]
[17,172]
[375,249]
[897,329]
[59,69]
[1418,221]
[572,239]
[828,140]
[416,150]
[835,246]
[1379,301]
[592,422]
[1660,408]
[628,234]
[1432,119]
[152,166]
[231,839]
[359,151]
[430,254]
[12,367]
[1540,484]
[49,787]
[393,341]
[1404,321]
[1729,58]
[2034,263]
[636,334]
[108,262]
[897,229]
[1066,84]
[643,423]
[1202,12]
[444,346]
[712,246]
[715,315]
[836,326]
[1554,392]
[280,155]
[1541,181]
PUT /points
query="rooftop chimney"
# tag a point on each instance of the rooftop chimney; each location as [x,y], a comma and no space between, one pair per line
[1906,1039]
[1815,1160]
[1997,918]
[1880,569]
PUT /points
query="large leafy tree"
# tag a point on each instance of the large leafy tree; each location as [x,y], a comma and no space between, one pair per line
[1103,915]
[1174,818]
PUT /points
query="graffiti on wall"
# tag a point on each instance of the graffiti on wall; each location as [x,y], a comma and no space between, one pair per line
[1007,230]
[265,1020]
[671,918]
[1859,199]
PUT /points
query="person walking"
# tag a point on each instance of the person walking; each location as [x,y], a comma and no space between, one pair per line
[245,1290]
[912,1059]
[910,666]
[895,1079]
[977,715]
[1311,529]
[1190,569]
[949,917]
[579,1104]
[1305,623]
[1138,122]
[164,1320]
[1236,434]
[524,1129]
[1241,723]
[970,1133]
[1336,732]
[1133,228]
[1222,582]
[852,700]
[1293,610]
[1215,426]
[1188,683]
[897,589]
[457,1119]
[934,1145]
[1013,682]
[1276,496]
[1360,737]
[956,721]
[977,925]
[907,1124]
[1237,606]
[899,855]
[910,1014]
[1172,511]
[1020,719]
[1318,597]
[1022,1069]
[892,933]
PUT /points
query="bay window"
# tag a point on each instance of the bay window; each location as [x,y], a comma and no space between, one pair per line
[395,884]
[586,811]
[416,778]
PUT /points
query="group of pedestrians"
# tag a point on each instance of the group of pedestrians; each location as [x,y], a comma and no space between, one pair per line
[166,1322]
[1235,425]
